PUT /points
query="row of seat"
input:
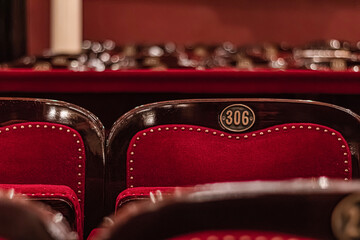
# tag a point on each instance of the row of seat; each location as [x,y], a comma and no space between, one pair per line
[56,152]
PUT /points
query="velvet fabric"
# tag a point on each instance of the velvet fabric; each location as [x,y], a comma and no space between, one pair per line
[43,153]
[180,155]
[144,192]
[55,192]
[238,234]
[94,233]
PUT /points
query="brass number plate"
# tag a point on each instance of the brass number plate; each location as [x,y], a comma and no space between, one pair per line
[237,118]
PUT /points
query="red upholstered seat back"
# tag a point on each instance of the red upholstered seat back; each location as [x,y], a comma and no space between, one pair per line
[177,155]
[43,153]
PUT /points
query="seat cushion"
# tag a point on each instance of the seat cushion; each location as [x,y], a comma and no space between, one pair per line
[180,155]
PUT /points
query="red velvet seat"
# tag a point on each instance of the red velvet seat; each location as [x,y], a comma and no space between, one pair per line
[52,149]
[181,143]
[256,210]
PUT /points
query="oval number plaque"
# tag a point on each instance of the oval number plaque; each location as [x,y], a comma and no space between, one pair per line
[237,118]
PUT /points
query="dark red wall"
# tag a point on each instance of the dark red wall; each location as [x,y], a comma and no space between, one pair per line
[241,21]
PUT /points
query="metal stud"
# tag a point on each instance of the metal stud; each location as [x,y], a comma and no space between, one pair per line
[198,129]
[276,129]
[14,128]
[317,129]
[237,138]
[269,131]
[30,126]
[132,153]
[144,134]
[309,127]
[60,128]
[167,129]
[229,137]
[175,128]
[254,135]
[134,145]
[22,127]
[246,136]
[190,129]
[214,133]
[221,135]
[131,160]
[151,130]
[284,128]
[7,129]
[261,133]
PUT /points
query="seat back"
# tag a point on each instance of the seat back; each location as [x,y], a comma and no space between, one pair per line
[51,142]
[22,220]
[188,142]
[301,209]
